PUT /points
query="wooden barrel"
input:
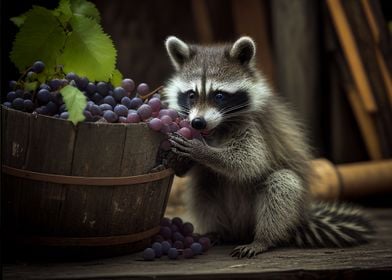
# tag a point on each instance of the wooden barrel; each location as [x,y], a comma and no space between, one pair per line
[85,188]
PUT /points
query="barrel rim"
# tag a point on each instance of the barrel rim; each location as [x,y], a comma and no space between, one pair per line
[89,181]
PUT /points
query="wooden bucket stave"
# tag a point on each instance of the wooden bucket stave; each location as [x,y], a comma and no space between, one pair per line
[73,214]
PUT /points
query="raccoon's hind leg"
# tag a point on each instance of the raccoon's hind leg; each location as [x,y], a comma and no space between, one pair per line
[278,207]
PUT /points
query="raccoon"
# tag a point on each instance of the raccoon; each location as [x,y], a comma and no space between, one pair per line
[249,171]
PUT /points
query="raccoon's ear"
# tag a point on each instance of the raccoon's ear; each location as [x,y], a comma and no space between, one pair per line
[178,51]
[243,50]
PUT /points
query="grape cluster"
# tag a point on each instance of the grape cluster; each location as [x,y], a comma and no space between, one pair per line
[176,239]
[127,103]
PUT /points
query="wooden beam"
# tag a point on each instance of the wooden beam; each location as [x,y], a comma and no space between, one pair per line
[351,52]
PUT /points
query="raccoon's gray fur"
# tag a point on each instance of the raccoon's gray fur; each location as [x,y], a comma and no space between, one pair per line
[248,174]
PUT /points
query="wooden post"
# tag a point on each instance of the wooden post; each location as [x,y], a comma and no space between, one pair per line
[296,31]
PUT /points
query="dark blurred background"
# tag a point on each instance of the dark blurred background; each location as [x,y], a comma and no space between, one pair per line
[298,50]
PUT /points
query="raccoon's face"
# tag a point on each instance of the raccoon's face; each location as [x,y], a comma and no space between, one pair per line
[214,84]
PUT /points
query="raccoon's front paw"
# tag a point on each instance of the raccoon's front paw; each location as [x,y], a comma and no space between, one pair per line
[191,149]
[249,250]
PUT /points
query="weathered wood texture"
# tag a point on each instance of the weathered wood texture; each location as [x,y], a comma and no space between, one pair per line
[373,260]
[295,29]
[48,145]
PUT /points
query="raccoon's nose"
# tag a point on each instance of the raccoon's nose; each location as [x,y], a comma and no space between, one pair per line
[199,123]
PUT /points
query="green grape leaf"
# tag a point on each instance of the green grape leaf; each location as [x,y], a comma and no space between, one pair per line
[85,8]
[40,38]
[63,12]
[32,86]
[75,102]
[19,20]
[116,78]
[88,51]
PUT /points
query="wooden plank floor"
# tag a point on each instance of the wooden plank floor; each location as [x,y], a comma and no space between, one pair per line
[372,260]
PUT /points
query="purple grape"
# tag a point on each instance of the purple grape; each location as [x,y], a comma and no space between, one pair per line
[172,113]
[121,110]
[103,88]
[166,120]
[28,105]
[57,98]
[55,84]
[64,82]
[165,247]
[186,132]
[62,108]
[18,103]
[91,88]
[27,95]
[42,110]
[178,244]
[64,115]
[19,93]
[148,254]
[174,228]
[119,93]
[205,243]
[157,247]
[165,222]
[154,114]
[155,124]
[188,253]
[7,104]
[187,229]
[95,110]
[143,89]
[88,116]
[136,102]
[188,241]
[51,108]
[163,112]
[158,238]
[12,85]
[144,111]
[105,107]
[38,66]
[43,96]
[173,127]
[185,123]
[172,253]
[177,221]
[133,118]
[177,236]
[110,100]
[165,232]
[165,129]
[96,97]
[11,96]
[197,248]
[31,76]
[126,101]
[155,104]
[44,86]
[128,85]
[82,83]
[110,116]
[71,76]
[196,237]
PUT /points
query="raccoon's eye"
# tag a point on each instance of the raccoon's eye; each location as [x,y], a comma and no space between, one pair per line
[219,97]
[191,94]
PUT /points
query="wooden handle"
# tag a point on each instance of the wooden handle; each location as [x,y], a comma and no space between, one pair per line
[347,181]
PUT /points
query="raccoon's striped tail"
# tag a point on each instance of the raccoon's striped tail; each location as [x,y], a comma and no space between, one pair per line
[333,225]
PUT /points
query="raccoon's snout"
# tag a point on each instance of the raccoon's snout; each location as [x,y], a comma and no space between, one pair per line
[199,123]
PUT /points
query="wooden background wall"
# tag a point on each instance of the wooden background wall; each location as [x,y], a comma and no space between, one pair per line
[293,51]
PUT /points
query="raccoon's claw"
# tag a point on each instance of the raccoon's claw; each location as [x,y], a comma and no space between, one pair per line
[184,147]
[249,250]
